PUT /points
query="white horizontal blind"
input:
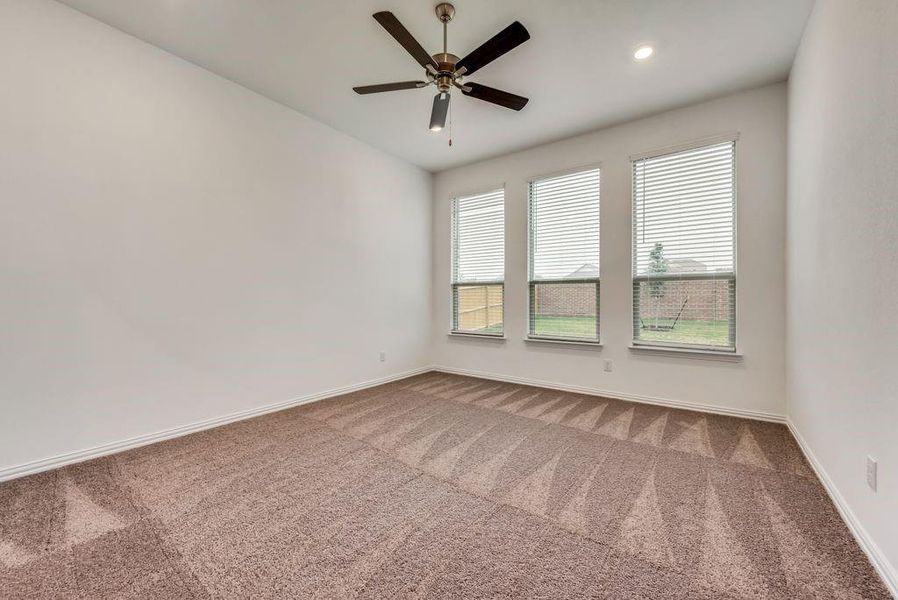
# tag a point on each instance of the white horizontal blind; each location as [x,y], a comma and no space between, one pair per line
[564,255]
[478,263]
[479,238]
[686,201]
[564,227]
[684,247]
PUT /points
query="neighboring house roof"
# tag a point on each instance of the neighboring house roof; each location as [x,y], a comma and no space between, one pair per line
[679,265]
[685,265]
[587,271]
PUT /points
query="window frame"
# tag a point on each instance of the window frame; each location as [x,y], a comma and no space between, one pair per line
[732,277]
[531,282]
[453,249]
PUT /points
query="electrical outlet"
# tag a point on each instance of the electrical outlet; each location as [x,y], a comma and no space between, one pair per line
[871,473]
[609,365]
[383,356]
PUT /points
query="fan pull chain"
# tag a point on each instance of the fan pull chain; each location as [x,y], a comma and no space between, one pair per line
[450,124]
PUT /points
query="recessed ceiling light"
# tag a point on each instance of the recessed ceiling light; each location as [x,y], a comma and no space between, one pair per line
[643,52]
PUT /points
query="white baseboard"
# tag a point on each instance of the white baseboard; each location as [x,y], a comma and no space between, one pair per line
[708,408]
[68,458]
[886,570]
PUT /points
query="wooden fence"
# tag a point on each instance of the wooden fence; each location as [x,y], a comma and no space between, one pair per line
[479,307]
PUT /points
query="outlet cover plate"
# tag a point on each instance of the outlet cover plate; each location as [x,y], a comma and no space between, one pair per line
[871,473]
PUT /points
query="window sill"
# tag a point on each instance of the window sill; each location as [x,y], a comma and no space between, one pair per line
[721,355]
[539,340]
[477,336]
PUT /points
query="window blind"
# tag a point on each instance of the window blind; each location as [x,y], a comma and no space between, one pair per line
[564,256]
[684,248]
[478,263]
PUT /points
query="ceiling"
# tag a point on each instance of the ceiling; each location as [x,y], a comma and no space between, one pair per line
[577,69]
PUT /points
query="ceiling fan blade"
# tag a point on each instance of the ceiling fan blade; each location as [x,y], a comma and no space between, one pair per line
[389,87]
[508,39]
[506,99]
[439,112]
[389,22]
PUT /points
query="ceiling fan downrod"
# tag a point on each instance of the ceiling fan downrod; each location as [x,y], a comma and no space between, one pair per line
[445,74]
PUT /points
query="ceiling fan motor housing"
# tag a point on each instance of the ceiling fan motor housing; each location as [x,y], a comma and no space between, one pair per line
[446,70]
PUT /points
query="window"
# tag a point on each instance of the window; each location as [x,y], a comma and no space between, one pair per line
[478,263]
[564,257]
[684,248]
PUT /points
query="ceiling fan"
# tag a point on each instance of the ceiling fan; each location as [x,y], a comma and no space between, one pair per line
[445,70]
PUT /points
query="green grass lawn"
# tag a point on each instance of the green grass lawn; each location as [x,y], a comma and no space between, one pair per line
[705,333]
[580,327]
[497,328]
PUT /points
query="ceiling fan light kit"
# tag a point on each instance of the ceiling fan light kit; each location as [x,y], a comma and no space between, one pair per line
[445,70]
[439,112]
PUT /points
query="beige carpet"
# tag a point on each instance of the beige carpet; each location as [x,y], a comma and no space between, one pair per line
[440,486]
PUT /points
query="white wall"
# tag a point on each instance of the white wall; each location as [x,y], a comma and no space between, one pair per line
[755,384]
[843,255]
[174,247]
